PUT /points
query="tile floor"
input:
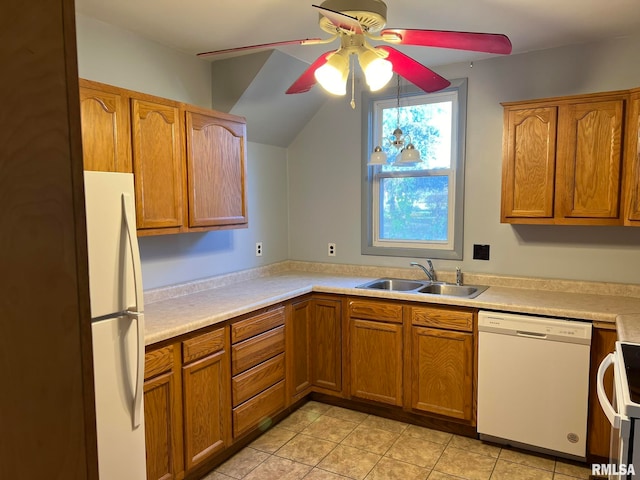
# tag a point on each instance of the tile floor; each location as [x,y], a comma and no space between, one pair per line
[323,442]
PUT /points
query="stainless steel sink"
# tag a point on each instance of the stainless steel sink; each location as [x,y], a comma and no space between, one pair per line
[424,287]
[394,284]
[467,291]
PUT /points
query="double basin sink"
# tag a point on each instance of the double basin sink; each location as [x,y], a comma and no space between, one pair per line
[424,287]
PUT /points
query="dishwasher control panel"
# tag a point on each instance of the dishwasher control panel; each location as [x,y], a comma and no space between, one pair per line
[572,331]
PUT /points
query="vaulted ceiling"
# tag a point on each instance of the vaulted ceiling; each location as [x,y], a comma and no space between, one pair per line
[253,85]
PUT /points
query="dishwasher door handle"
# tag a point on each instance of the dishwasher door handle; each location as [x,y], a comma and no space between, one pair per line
[607,408]
[521,333]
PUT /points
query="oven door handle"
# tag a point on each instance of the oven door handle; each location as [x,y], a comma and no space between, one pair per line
[614,417]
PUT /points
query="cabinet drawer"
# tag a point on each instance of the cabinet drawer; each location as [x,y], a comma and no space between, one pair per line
[158,361]
[202,345]
[257,379]
[442,318]
[368,310]
[251,413]
[256,325]
[256,350]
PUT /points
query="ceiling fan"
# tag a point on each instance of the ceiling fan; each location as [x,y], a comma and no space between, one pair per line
[355,23]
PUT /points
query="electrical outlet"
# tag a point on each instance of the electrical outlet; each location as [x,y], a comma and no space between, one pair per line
[331,249]
[258,249]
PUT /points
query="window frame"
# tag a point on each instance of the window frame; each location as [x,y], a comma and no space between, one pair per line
[369,245]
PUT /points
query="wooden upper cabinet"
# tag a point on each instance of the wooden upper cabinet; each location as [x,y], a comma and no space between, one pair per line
[104,113]
[189,163]
[590,160]
[216,169]
[157,164]
[632,161]
[562,160]
[528,170]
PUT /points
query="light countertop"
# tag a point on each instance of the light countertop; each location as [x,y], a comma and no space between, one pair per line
[170,317]
[628,327]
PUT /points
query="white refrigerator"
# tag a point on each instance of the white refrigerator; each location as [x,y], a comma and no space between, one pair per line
[117,324]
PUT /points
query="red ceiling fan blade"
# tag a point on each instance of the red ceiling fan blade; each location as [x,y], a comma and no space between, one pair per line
[346,22]
[308,79]
[477,42]
[415,72]
[306,41]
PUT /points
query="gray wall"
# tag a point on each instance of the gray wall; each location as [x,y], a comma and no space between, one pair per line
[118,57]
[324,170]
[307,195]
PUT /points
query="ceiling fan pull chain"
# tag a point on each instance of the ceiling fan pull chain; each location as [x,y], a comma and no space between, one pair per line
[353,84]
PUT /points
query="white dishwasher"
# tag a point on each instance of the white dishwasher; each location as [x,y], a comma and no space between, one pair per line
[533,382]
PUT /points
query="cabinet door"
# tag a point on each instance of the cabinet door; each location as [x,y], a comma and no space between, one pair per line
[207,408]
[106,145]
[599,429]
[589,161]
[442,372]
[297,350]
[376,361]
[157,164]
[326,344]
[528,169]
[163,428]
[216,171]
[632,161]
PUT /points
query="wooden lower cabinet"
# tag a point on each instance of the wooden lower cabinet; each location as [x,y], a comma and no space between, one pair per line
[416,356]
[314,346]
[187,403]
[376,360]
[298,345]
[259,410]
[325,347]
[206,407]
[258,362]
[442,372]
[442,360]
[603,339]
[163,414]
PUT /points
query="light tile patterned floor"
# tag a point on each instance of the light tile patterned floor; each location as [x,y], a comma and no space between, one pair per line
[323,442]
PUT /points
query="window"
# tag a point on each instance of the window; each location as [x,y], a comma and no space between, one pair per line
[415,211]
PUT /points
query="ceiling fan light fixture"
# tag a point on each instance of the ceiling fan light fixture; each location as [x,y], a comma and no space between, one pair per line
[332,76]
[377,70]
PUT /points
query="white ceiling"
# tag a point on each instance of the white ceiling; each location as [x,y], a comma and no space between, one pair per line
[193,26]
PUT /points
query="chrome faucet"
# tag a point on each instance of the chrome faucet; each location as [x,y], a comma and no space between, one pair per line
[429,272]
[458,276]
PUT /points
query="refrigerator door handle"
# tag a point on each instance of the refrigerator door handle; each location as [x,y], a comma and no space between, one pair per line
[137,396]
[607,408]
[135,311]
[129,220]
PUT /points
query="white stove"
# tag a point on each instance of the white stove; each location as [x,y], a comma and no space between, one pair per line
[623,411]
